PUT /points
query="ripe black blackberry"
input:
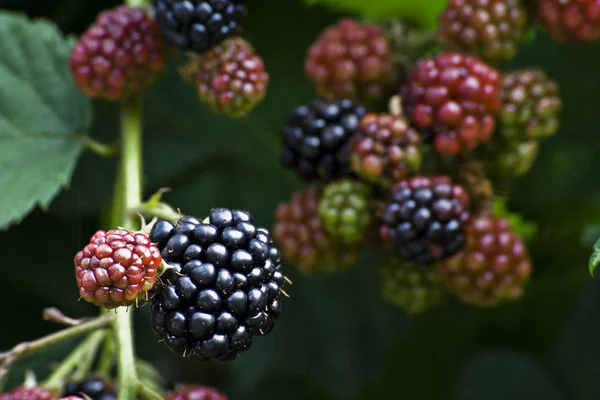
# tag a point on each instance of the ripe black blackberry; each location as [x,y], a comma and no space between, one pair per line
[424,219]
[224,286]
[93,387]
[198,25]
[316,139]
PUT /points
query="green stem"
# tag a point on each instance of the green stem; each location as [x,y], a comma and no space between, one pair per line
[136,3]
[129,192]
[100,148]
[77,356]
[147,393]
[107,355]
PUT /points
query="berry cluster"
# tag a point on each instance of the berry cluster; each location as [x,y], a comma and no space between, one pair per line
[125,49]
[417,179]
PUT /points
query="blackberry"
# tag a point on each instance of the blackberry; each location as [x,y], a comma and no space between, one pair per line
[570,20]
[316,139]
[385,149]
[492,29]
[196,393]
[116,268]
[198,25]
[346,210]
[223,287]
[411,287]
[92,387]
[351,60]
[119,55]
[231,78]
[494,265]
[453,99]
[424,219]
[24,393]
[300,233]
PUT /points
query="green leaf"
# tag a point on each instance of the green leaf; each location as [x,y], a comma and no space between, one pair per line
[525,229]
[423,13]
[505,375]
[42,115]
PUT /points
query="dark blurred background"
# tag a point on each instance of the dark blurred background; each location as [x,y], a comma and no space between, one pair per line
[337,339]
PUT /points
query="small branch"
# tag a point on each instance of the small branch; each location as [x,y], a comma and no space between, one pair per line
[25,349]
[53,314]
[147,393]
[162,211]
[107,355]
[102,149]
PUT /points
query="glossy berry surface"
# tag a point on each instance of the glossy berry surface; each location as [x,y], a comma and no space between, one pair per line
[92,387]
[120,54]
[223,286]
[491,29]
[198,25]
[116,268]
[452,99]
[493,267]
[302,237]
[347,210]
[196,393]
[351,60]
[570,20]
[231,78]
[385,149]
[411,287]
[316,139]
[23,393]
[424,219]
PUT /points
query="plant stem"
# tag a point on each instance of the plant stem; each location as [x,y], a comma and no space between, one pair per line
[100,148]
[129,192]
[147,393]
[136,3]
[77,356]
[107,355]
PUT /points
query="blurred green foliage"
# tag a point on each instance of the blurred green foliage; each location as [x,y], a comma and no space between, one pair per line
[337,339]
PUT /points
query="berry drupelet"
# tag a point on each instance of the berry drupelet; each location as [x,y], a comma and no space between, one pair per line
[346,209]
[494,265]
[492,29]
[231,78]
[303,239]
[196,393]
[24,393]
[316,139]
[351,60]
[411,287]
[92,387]
[119,55]
[570,20]
[385,149]
[198,25]
[424,219]
[452,98]
[116,268]
[223,286]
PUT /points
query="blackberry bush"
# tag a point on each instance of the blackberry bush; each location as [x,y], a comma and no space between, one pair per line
[223,286]
[316,139]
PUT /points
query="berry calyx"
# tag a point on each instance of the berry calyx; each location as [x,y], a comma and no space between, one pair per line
[346,210]
[385,149]
[223,286]
[351,60]
[424,219]
[198,25]
[196,393]
[493,267]
[25,393]
[316,139]
[453,98]
[491,29]
[570,20]
[231,78]
[303,239]
[116,268]
[120,54]
[411,287]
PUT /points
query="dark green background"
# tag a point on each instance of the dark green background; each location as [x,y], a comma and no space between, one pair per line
[336,338]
